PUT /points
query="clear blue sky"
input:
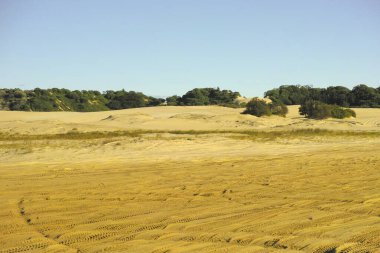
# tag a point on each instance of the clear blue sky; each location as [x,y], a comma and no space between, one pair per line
[166,47]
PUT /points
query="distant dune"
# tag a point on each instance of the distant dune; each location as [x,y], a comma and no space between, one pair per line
[177,118]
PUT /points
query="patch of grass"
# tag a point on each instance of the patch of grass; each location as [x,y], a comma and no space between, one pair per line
[316,132]
[75,135]
[72,135]
[312,132]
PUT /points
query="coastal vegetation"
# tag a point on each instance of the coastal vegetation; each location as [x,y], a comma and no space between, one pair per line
[89,100]
[319,110]
[317,103]
[360,96]
[260,107]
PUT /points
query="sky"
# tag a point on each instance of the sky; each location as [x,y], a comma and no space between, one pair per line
[167,47]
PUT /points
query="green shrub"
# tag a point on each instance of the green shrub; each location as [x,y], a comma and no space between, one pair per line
[318,110]
[350,113]
[243,104]
[260,108]
[278,108]
[173,100]
[338,112]
[315,109]
[341,113]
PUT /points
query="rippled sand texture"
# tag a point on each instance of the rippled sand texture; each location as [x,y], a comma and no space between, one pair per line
[191,193]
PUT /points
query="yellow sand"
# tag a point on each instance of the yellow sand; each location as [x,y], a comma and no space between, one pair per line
[175,118]
[189,193]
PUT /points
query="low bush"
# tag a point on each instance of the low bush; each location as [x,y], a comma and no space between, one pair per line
[317,110]
[259,107]
[341,113]
[278,108]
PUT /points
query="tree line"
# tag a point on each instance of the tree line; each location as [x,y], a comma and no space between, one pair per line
[206,96]
[90,100]
[359,96]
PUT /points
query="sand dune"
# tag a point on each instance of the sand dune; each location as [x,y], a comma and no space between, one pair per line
[185,192]
[176,118]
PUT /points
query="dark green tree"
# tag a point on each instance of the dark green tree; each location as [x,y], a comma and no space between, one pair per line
[315,109]
[196,97]
[364,96]
[125,99]
[336,95]
[173,100]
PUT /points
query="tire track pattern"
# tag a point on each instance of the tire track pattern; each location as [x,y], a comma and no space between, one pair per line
[305,203]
